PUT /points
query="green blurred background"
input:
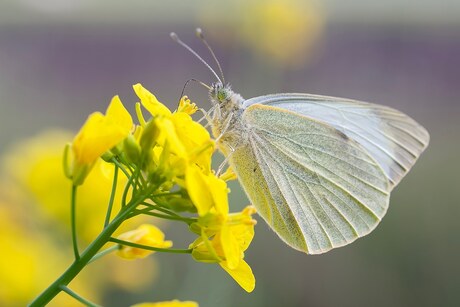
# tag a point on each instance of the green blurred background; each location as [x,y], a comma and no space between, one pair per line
[61,60]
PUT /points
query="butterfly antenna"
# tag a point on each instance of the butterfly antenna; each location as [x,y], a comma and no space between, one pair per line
[194,80]
[200,35]
[180,42]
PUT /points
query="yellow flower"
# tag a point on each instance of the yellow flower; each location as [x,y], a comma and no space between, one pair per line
[281,32]
[174,303]
[34,168]
[145,234]
[284,30]
[185,140]
[99,134]
[206,191]
[224,239]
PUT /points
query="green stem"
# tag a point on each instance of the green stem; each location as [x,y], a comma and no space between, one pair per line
[46,296]
[105,252]
[115,161]
[166,194]
[125,192]
[78,297]
[112,196]
[73,221]
[165,216]
[151,248]
[160,207]
[89,253]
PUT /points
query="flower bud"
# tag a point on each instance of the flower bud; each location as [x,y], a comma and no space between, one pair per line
[149,136]
[132,149]
[145,234]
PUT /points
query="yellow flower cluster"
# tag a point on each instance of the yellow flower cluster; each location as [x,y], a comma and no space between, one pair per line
[170,150]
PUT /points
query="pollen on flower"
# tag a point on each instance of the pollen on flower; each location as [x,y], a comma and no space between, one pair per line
[228,175]
[186,106]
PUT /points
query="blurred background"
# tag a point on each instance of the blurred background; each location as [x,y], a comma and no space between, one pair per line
[61,60]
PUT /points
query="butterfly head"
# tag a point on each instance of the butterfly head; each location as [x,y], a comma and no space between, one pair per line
[220,93]
[223,96]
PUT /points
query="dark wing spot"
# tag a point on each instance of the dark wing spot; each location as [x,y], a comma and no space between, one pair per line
[342,135]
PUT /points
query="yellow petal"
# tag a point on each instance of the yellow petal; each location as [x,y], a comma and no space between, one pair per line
[243,234]
[231,247]
[168,134]
[150,102]
[118,115]
[100,133]
[195,138]
[242,226]
[242,275]
[219,192]
[198,189]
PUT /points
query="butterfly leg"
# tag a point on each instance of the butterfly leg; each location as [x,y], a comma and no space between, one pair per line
[228,120]
[206,115]
[225,162]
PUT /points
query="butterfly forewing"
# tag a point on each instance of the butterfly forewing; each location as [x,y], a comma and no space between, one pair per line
[392,138]
[317,188]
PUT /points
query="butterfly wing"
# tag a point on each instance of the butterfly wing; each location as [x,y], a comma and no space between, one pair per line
[392,138]
[317,188]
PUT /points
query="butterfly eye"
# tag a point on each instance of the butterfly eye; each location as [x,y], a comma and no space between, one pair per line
[222,95]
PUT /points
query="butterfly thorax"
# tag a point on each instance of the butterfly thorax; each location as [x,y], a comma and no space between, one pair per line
[226,118]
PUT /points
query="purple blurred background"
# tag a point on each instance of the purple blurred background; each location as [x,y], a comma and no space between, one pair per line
[56,68]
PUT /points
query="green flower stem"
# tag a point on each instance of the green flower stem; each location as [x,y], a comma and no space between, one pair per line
[88,254]
[151,248]
[121,166]
[125,192]
[78,297]
[73,221]
[159,208]
[105,252]
[136,184]
[167,194]
[165,216]
[112,196]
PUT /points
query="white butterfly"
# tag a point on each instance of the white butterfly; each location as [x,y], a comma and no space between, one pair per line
[318,169]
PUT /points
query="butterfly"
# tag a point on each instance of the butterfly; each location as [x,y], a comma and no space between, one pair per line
[319,169]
